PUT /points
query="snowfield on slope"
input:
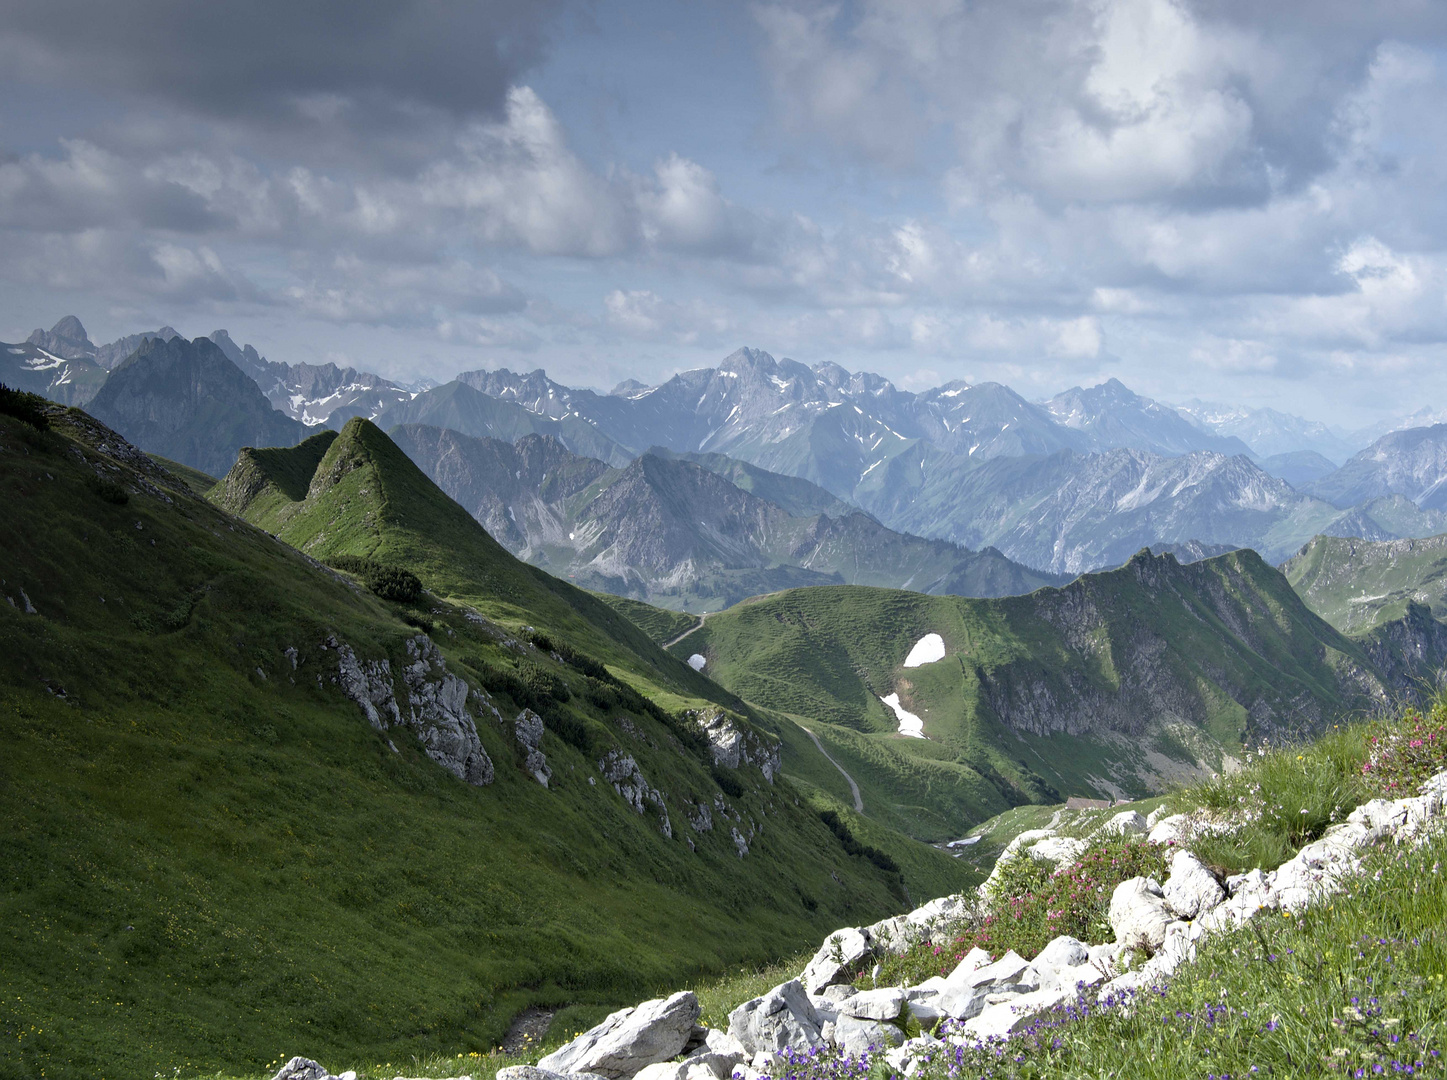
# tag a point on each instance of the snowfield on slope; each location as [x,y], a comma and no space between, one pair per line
[909,724]
[927,650]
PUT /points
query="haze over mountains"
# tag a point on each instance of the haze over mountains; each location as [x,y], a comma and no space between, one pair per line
[1077,482]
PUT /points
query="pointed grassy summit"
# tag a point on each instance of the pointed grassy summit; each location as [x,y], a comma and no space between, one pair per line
[357,494]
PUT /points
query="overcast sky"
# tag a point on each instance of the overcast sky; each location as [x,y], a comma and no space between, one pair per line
[1206,198]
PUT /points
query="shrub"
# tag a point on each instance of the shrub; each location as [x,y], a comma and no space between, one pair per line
[389,582]
[728,783]
[108,490]
[1030,905]
[853,846]
[544,684]
[28,408]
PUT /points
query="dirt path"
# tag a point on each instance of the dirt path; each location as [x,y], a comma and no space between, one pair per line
[853,787]
[691,629]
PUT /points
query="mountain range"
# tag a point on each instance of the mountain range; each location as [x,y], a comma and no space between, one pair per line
[1074,483]
[316,758]
[678,530]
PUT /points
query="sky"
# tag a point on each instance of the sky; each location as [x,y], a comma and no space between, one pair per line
[1214,199]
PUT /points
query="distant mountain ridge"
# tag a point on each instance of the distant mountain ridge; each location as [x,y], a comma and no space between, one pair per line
[672,532]
[187,401]
[1411,463]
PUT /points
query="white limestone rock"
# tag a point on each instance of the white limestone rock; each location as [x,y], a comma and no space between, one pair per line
[1138,914]
[838,959]
[882,1004]
[1191,889]
[1174,829]
[1006,1017]
[528,729]
[1061,850]
[855,1036]
[1126,823]
[784,1017]
[630,1039]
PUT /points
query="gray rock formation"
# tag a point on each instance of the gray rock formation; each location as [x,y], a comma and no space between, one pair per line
[784,1017]
[620,770]
[630,1039]
[1191,889]
[838,959]
[528,728]
[436,705]
[732,747]
[1138,914]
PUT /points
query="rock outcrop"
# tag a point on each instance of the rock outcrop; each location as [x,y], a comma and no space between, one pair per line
[732,746]
[528,729]
[630,1039]
[436,705]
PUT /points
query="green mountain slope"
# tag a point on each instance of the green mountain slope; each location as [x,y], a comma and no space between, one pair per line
[207,853]
[1358,585]
[1114,684]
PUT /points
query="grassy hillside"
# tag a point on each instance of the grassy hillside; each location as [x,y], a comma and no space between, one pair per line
[207,855]
[1358,585]
[1119,683]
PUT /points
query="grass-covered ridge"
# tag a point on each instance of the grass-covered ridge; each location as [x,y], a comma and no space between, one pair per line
[1120,683]
[1359,585]
[207,856]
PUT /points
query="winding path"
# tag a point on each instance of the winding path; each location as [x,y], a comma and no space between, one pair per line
[853,787]
[691,629]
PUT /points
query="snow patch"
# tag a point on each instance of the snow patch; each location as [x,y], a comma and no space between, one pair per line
[926,650]
[909,724]
[697,661]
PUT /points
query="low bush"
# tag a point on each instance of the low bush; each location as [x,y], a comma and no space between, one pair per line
[1031,903]
[108,490]
[854,847]
[28,408]
[389,582]
[1405,752]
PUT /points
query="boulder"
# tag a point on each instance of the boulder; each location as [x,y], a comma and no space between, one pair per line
[1057,849]
[1003,1018]
[720,1054]
[784,1017]
[1169,830]
[1061,965]
[630,1039]
[838,959]
[855,1036]
[884,1004]
[1126,823]
[300,1068]
[965,991]
[1138,914]
[1191,890]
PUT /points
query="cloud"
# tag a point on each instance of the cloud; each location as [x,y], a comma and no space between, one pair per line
[310,69]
